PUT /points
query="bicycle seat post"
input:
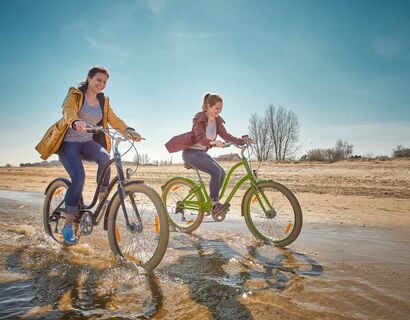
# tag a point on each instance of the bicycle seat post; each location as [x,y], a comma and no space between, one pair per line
[199,176]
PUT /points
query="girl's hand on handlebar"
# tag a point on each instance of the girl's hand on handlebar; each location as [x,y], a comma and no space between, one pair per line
[218,143]
[80,125]
[247,139]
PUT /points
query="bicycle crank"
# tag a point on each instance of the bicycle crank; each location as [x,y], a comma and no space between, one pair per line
[86,224]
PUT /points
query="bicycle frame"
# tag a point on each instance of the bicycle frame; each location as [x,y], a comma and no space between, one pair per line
[120,180]
[206,205]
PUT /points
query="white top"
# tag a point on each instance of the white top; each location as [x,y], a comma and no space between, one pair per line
[210,134]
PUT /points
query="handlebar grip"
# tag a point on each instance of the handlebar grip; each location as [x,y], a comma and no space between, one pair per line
[92,129]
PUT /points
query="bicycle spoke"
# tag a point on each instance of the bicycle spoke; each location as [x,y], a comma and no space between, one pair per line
[282,223]
[176,195]
[139,246]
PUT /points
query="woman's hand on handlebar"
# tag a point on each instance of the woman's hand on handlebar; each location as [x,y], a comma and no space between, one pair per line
[133,135]
[80,125]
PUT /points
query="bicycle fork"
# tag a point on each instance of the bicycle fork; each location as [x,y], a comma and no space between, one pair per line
[133,227]
[260,196]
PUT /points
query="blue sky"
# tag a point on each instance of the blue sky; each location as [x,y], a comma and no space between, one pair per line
[342,66]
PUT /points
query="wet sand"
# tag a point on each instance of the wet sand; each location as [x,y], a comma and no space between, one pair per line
[332,271]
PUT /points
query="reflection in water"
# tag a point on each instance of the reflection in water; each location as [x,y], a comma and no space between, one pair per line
[218,276]
[208,275]
[60,283]
[85,281]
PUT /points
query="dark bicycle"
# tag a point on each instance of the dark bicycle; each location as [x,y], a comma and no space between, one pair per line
[134,216]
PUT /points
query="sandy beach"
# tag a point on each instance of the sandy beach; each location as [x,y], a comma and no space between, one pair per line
[351,260]
[370,193]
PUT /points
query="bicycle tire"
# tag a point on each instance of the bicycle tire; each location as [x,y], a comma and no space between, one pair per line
[285,226]
[170,197]
[125,243]
[55,195]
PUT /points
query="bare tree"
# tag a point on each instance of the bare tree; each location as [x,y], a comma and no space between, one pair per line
[283,128]
[341,151]
[142,159]
[401,151]
[259,133]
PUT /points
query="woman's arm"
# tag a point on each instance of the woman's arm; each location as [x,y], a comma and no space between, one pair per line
[70,107]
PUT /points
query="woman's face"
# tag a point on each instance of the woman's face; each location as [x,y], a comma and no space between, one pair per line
[98,82]
[215,110]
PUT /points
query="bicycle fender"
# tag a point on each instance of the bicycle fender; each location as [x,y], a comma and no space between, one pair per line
[115,194]
[68,182]
[188,180]
[263,180]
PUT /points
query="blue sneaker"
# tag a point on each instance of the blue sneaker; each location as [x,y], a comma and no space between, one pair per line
[68,234]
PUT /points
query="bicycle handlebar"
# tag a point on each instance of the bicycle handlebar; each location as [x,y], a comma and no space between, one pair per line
[94,129]
[227,144]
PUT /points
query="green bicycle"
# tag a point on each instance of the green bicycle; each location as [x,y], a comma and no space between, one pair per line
[272,212]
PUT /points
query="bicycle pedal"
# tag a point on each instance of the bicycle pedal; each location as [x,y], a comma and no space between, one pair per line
[220,216]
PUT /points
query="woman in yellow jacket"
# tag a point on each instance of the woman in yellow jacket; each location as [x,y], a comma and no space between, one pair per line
[85,105]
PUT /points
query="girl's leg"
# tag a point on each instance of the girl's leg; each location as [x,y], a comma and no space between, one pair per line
[92,151]
[204,162]
[70,157]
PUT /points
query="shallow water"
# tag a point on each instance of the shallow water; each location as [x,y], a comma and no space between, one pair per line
[220,271]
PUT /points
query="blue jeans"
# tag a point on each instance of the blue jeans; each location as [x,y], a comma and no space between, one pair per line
[204,162]
[71,155]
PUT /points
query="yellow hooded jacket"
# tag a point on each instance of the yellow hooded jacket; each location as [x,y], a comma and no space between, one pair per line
[71,106]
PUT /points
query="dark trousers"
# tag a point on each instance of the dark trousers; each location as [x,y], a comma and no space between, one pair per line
[204,162]
[71,155]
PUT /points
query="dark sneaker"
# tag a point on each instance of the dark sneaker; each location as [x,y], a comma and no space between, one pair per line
[220,210]
[69,235]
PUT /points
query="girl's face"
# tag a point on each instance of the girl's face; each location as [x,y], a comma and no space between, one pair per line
[98,82]
[215,110]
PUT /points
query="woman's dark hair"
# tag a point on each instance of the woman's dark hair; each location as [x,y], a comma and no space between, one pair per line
[91,73]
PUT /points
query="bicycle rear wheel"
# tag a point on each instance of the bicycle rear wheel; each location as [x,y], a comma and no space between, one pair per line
[53,209]
[145,247]
[175,195]
[282,223]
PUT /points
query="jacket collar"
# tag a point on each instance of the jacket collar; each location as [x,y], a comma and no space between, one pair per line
[75,90]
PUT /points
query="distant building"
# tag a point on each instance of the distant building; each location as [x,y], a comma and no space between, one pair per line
[228,157]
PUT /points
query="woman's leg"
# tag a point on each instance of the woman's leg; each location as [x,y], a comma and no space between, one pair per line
[92,151]
[204,162]
[70,157]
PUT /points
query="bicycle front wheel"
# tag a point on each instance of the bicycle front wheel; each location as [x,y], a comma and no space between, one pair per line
[177,196]
[281,221]
[143,244]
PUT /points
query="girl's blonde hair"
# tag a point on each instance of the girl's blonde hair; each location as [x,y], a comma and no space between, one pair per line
[210,99]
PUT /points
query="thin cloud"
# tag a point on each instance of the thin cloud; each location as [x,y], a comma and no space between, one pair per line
[155,6]
[389,48]
[201,35]
[399,131]
[106,47]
